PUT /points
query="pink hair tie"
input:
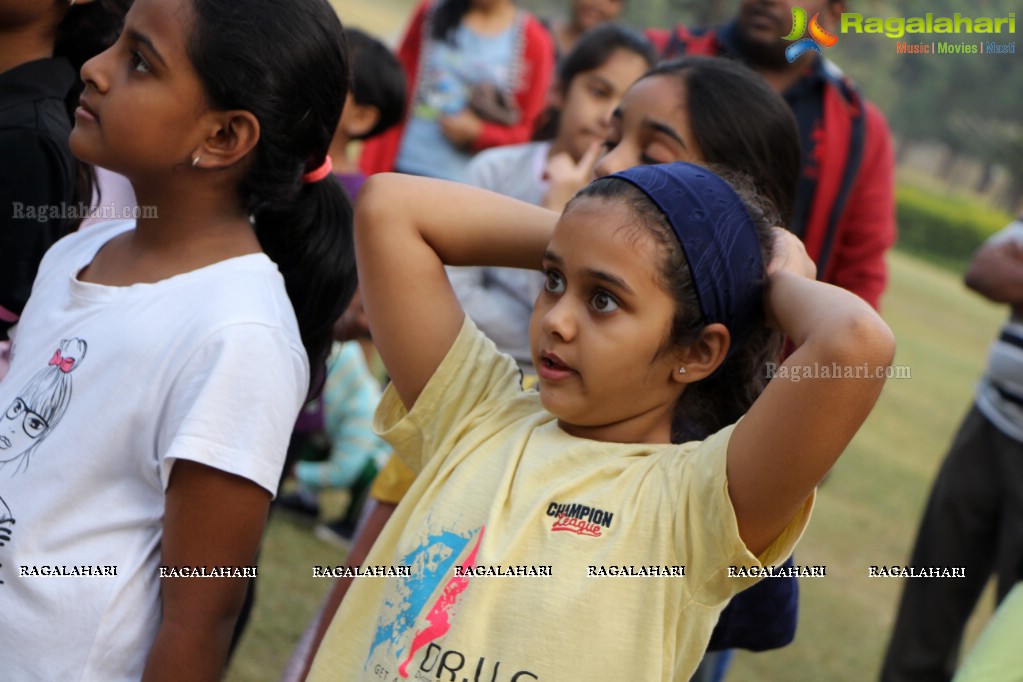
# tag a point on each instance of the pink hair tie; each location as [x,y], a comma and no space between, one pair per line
[320,173]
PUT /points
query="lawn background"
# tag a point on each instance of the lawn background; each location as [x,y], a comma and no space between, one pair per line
[866,512]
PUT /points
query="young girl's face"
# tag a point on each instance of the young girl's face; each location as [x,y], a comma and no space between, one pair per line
[599,326]
[651,125]
[591,98]
[141,109]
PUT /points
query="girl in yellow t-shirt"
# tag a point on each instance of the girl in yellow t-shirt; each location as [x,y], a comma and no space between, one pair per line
[665,289]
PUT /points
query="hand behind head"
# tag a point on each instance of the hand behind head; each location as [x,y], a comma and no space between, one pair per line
[789,255]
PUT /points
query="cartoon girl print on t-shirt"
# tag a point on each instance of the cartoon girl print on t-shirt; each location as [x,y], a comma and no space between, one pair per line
[35,412]
[6,526]
[39,406]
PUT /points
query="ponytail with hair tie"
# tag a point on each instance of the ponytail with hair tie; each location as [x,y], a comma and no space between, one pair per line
[287,63]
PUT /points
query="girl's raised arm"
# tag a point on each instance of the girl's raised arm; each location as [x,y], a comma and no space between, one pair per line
[816,401]
[406,230]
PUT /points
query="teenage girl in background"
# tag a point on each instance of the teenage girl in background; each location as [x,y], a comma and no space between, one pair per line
[707,110]
[701,110]
[658,282]
[478,73]
[199,352]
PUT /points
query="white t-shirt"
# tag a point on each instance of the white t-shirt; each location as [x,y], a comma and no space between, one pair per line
[108,386]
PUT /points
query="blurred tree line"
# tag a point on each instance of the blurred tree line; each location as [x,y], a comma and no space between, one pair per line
[969,103]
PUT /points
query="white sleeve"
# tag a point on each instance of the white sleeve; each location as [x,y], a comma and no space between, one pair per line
[234,405]
[469,282]
[1012,232]
[480,171]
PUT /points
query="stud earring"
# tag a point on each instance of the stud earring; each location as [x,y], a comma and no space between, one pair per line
[681,370]
[195,162]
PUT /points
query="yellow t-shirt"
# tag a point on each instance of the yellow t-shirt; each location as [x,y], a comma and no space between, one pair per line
[503,488]
[393,481]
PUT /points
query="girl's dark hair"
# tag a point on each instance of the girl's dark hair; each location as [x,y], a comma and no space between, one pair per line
[595,47]
[377,79]
[591,51]
[722,398]
[85,31]
[287,64]
[740,122]
[447,15]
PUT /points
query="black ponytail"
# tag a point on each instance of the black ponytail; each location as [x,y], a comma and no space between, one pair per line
[287,64]
[85,31]
[310,240]
[721,399]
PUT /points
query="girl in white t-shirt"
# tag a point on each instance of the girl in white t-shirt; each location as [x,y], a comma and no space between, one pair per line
[206,320]
[658,280]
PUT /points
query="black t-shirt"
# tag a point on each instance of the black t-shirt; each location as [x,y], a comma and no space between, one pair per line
[36,173]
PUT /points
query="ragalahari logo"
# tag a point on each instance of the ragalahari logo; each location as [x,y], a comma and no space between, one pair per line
[818,36]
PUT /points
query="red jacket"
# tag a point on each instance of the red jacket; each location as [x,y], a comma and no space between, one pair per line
[534,72]
[849,223]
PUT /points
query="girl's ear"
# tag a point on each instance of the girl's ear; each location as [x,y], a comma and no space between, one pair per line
[231,136]
[358,119]
[702,357]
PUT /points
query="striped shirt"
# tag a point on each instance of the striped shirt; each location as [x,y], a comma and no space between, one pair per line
[1000,392]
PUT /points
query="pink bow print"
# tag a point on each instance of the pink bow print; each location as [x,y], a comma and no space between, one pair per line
[65,364]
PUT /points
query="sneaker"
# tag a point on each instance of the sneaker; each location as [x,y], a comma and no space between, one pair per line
[335,533]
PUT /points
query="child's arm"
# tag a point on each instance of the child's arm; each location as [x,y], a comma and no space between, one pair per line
[996,269]
[213,519]
[798,427]
[406,229]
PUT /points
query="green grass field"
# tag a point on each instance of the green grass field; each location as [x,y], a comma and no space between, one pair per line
[866,512]
[868,508]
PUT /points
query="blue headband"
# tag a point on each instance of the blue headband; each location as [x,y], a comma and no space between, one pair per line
[718,239]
